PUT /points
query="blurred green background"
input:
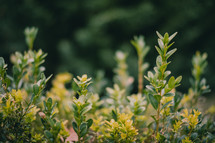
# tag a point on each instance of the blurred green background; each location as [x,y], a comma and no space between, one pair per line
[82,36]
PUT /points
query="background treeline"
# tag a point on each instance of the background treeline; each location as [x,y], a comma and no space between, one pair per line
[82,36]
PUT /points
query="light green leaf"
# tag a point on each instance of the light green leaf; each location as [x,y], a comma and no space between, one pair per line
[169,94]
[178,79]
[170,53]
[172,36]
[171,82]
[165,105]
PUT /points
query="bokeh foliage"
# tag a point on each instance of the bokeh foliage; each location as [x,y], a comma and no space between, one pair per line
[82,36]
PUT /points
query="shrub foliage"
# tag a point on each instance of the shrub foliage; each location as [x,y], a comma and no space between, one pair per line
[72,110]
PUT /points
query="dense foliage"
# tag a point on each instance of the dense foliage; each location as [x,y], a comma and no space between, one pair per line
[72,110]
[84,31]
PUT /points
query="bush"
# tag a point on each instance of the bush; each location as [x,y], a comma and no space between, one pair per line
[72,110]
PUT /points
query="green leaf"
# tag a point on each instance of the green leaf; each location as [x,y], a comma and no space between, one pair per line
[114,115]
[51,122]
[163,67]
[166,38]
[75,126]
[43,77]
[169,94]
[83,128]
[170,53]
[32,98]
[178,79]
[157,97]
[49,103]
[150,88]
[165,105]
[15,72]
[166,74]
[150,75]
[159,50]
[194,135]
[85,109]
[75,87]
[144,67]
[52,109]
[48,134]
[158,61]
[177,100]
[2,63]
[7,81]
[153,116]
[171,82]
[74,107]
[159,35]
[160,43]
[89,123]
[47,79]
[58,125]
[170,45]
[153,101]
[172,36]
[35,89]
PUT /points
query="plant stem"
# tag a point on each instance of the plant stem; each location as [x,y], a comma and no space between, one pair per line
[140,76]
[158,118]
[190,132]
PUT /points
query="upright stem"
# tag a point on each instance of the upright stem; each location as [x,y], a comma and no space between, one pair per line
[158,118]
[140,76]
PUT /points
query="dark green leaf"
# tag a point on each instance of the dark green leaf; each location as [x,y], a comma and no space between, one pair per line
[7,81]
[49,103]
[153,101]
[58,125]
[75,126]
[35,89]
[48,134]
[157,97]
[153,116]
[194,136]
[83,128]
[52,110]
[75,86]
[2,63]
[32,98]
[114,115]
[15,72]
[89,123]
